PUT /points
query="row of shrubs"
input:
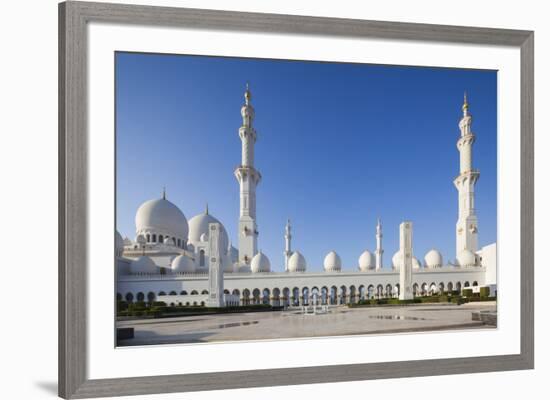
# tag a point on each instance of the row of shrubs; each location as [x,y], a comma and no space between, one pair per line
[453,297]
[159,308]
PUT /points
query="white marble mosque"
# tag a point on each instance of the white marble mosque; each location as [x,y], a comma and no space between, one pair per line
[193,262]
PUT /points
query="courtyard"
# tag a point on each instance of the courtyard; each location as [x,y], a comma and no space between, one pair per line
[340,320]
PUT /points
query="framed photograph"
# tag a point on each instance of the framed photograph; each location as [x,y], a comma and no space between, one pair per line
[348,199]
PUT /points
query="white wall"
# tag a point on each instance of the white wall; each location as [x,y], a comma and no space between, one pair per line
[28,161]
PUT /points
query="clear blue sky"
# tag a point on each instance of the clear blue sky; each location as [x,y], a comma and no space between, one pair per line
[338,146]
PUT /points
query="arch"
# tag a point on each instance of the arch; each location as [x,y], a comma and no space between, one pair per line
[148,237]
[361,292]
[201,258]
[265,296]
[151,297]
[379,290]
[225,291]
[396,290]
[154,238]
[295,296]
[466,284]
[286,296]
[161,293]
[236,292]
[333,295]
[343,294]
[324,295]
[315,296]
[388,292]
[204,291]
[433,288]
[129,297]
[415,289]
[161,239]
[441,287]
[202,303]
[458,287]
[256,296]
[305,295]
[118,297]
[276,298]
[424,289]
[183,292]
[173,293]
[194,293]
[474,283]
[246,297]
[450,287]
[370,291]
[179,242]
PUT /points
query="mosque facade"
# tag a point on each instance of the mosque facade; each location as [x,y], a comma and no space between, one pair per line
[193,262]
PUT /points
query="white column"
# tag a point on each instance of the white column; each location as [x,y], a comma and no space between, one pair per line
[288,247]
[405,273]
[215,272]
[379,251]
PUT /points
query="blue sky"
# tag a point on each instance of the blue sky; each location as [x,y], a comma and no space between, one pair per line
[339,145]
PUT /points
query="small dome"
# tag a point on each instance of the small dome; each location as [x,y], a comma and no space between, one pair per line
[433,259]
[332,262]
[119,244]
[198,229]
[466,258]
[183,264]
[162,217]
[297,262]
[398,260]
[366,261]
[227,263]
[143,265]
[260,263]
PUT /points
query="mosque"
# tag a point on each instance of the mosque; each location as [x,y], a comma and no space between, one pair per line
[192,262]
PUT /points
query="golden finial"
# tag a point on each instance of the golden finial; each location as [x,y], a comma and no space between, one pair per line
[465,105]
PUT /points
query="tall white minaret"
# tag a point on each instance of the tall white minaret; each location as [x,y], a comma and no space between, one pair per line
[379,251]
[248,178]
[288,247]
[466,226]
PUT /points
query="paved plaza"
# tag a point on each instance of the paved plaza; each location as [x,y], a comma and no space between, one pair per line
[293,324]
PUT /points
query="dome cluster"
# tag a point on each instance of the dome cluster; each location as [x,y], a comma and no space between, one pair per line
[143,265]
[183,264]
[433,259]
[466,258]
[366,261]
[398,260]
[157,219]
[198,229]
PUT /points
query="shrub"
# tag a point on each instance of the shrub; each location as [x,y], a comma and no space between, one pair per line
[121,305]
[484,292]
[467,292]
[158,304]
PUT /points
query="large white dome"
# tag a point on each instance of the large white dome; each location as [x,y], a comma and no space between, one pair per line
[296,262]
[433,259]
[466,258]
[198,229]
[260,263]
[162,217]
[366,261]
[183,264]
[143,265]
[332,262]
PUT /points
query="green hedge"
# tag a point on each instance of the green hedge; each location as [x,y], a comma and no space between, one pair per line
[484,291]
[467,292]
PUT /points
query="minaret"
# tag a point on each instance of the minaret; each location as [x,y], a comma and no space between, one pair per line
[288,247]
[466,226]
[379,251]
[248,178]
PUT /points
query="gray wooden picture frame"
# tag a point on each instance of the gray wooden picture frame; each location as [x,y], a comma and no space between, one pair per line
[73,196]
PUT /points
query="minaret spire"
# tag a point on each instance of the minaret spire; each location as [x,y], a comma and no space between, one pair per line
[248,178]
[379,252]
[164,192]
[206,209]
[288,246]
[466,226]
